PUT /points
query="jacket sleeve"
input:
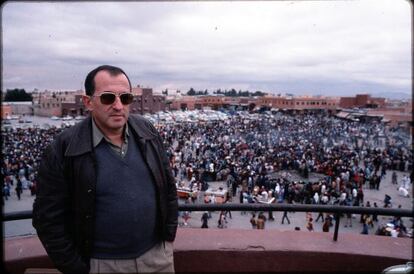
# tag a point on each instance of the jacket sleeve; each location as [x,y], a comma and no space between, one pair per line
[172,206]
[51,212]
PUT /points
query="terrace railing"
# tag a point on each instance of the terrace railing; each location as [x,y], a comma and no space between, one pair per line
[335,210]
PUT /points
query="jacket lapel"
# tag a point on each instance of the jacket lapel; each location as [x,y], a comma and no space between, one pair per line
[145,139]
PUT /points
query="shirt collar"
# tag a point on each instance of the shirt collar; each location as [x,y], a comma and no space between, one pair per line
[97,134]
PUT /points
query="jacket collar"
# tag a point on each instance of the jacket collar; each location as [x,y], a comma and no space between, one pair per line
[142,127]
[81,139]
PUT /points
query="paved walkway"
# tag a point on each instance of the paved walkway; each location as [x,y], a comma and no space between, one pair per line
[21,227]
[298,219]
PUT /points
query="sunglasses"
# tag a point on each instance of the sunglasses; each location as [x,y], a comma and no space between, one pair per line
[108,98]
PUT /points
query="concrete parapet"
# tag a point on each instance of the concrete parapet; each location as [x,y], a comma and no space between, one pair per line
[239,250]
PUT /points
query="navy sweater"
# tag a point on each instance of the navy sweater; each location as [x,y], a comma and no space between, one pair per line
[126,208]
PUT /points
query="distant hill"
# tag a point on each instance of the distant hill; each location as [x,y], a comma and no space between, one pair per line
[393,95]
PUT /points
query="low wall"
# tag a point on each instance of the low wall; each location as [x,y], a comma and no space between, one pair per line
[238,250]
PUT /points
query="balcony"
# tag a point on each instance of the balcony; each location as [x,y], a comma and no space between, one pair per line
[240,250]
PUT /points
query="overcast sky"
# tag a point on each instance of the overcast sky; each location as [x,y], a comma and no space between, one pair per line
[300,47]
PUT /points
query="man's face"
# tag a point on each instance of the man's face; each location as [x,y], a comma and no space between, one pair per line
[109,118]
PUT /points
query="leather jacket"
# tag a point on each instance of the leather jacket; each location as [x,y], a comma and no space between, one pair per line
[63,211]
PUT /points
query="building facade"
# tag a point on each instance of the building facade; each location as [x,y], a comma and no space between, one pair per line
[146,102]
[362,101]
[250,103]
[49,103]
[16,108]
[6,111]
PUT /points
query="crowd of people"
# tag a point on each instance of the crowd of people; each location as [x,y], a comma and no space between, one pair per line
[22,150]
[247,152]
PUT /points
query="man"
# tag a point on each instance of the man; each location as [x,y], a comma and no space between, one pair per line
[309,225]
[106,200]
[253,221]
[285,216]
[260,222]
[204,220]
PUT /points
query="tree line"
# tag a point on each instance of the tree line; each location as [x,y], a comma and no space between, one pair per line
[231,93]
[17,95]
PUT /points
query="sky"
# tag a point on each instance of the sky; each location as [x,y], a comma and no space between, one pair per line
[332,48]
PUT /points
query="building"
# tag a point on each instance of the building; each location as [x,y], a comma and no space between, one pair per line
[49,103]
[300,103]
[394,112]
[251,103]
[210,102]
[16,108]
[146,101]
[6,110]
[52,103]
[182,103]
[362,101]
[393,116]
[315,103]
[74,107]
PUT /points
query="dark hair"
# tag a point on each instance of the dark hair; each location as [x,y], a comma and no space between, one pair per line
[90,78]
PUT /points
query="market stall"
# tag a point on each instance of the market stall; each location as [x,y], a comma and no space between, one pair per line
[218,196]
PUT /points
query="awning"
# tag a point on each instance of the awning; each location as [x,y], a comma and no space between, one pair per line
[342,114]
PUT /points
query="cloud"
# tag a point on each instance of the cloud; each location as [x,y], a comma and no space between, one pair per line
[307,45]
